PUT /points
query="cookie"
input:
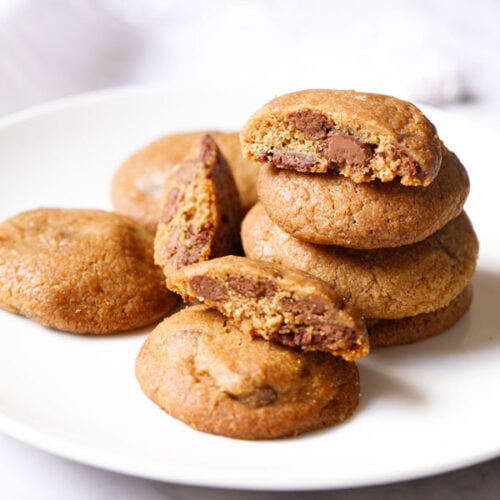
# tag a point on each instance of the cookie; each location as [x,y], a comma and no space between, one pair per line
[202,370]
[362,136]
[137,184]
[276,303]
[330,209]
[392,332]
[387,283]
[201,212]
[82,271]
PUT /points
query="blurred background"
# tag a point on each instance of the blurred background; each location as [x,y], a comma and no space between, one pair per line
[439,52]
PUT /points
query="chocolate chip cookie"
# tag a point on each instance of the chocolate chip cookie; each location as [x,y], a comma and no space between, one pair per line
[82,271]
[277,303]
[387,283]
[360,135]
[201,211]
[330,209]
[137,185]
[202,370]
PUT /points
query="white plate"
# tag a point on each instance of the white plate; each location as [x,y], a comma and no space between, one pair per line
[425,408]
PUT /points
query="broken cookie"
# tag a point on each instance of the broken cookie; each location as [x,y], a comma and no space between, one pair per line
[277,303]
[362,136]
[200,212]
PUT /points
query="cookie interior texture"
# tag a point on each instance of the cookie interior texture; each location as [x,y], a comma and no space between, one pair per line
[393,332]
[276,303]
[201,211]
[330,209]
[82,271]
[389,283]
[202,370]
[360,135]
[137,185]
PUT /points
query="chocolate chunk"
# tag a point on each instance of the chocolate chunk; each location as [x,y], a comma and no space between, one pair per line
[321,337]
[302,306]
[171,205]
[346,150]
[191,254]
[173,242]
[313,124]
[189,168]
[208,148]
[408,166]
[181,254]
[297,161]
[208,288]
[340,148]
[249,287]
[262,396]
[314,324]
[186,172]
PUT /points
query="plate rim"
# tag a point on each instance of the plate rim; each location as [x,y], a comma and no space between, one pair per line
[57,446]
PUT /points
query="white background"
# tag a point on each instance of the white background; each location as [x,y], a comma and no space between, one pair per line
[443,53]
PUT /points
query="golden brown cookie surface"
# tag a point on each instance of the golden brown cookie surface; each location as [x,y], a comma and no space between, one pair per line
[360,135]
[385,283]
[276,303]
[137,184]
[84,271]
[392,332]
[201,212]
[208,374]
[330,209]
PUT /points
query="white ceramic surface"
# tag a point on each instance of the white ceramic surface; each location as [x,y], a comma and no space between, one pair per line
[426,408]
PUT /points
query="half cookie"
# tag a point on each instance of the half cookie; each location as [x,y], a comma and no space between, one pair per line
[275,302]
[362,136]
[200,212]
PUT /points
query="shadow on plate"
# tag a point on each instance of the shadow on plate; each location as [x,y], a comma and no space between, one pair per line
[478,330]
[375,384]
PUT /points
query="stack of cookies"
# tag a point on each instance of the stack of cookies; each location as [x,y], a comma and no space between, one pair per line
[245,364]
[358,238]
[358,190]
